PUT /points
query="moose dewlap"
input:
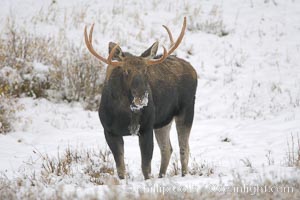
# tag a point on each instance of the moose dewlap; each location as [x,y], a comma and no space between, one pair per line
[142,94]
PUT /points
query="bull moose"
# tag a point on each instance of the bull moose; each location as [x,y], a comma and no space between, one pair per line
[144,93]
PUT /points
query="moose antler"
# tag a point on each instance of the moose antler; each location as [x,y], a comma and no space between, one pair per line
[88,42]
[172,47]
[170,35]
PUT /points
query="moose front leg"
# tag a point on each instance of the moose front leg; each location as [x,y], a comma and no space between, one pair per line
[116,145]
[146,146]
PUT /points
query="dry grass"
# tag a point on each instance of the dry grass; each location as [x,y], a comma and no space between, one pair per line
[293,151]
[72,74]
[201,169]
[18,51]
[7,114]
[78,79]
[211,22]
[261,189]
[96,168]
[196,168]
[8,108]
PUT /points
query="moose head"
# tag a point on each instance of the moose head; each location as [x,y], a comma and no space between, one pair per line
[134,67]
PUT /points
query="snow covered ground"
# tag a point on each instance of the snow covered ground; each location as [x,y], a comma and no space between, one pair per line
[246,53]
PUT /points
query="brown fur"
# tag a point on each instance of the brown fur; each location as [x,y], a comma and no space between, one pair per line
[168,71]
[171,69]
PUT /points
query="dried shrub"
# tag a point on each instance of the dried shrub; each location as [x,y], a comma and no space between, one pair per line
[293,151]
[68,71]
[19,52]
[195,168]
[201,169]
[8,108]
[211,22]
[78,78]
[92,167]
[175,169]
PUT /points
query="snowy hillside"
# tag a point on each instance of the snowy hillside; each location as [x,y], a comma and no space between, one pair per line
[247,117]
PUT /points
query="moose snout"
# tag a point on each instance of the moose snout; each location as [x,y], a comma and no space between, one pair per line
[139,102]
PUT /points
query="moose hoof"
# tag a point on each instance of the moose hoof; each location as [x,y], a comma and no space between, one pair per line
[121,176]
[184,173]
[148,176]
[161,175]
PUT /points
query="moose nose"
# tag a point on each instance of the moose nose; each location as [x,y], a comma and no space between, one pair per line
[137,101]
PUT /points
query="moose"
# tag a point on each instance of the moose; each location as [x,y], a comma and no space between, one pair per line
[142,94]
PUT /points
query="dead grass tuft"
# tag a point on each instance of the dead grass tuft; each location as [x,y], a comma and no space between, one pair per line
[293,151]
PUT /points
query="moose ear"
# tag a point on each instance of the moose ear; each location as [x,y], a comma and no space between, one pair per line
[151,52]
[118,55]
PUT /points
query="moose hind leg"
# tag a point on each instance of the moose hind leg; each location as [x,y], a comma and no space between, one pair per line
[184,123]
[116,145]
[163,139]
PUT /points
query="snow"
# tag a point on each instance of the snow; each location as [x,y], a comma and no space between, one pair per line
[40,67]
[248,95]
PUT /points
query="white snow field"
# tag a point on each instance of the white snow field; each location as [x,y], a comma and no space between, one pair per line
[245,137]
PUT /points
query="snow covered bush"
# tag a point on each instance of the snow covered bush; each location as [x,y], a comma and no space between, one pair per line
[6,188]
[8,108]
[20,53]
[49,67]
[84,167]
[78,78]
